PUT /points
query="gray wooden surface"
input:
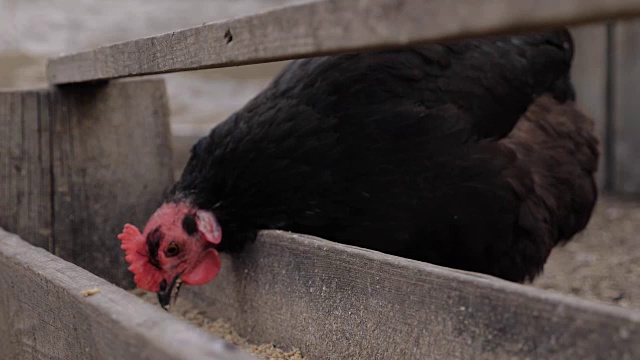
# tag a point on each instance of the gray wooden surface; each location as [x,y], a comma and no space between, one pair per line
[325,27]
[43,315]
[339,302]
[25,170]
[79,162]
[626,110]
[589,75]
[111,165]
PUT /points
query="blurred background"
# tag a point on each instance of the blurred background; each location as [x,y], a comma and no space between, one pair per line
[32,30]
[601,264]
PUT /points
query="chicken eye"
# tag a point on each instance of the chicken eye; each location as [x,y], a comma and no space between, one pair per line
[172,250]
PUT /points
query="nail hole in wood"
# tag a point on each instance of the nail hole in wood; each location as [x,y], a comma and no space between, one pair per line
[227,36]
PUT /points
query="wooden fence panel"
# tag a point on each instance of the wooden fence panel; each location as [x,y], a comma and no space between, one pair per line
[339,302]
[76,163]
[626,111]
[589,75]
[25,170]
[111,164]
[326,27]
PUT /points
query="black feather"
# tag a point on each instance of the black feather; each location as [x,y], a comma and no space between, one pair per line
[189,224]
[418,152]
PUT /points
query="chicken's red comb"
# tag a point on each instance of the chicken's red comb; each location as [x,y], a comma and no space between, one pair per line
[146,276]
[131,240]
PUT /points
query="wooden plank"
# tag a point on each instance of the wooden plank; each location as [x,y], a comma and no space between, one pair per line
[111,165]
[25,171]
[326,27]
[626,107]
[341,302]
[43,315]
[589,76]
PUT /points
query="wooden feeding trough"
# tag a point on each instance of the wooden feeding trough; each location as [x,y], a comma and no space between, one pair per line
[45,314]
[71,175]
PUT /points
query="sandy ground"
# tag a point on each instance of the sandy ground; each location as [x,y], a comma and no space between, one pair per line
[602,263]
[185,310]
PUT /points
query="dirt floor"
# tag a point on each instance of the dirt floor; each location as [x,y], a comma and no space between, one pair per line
[602,263]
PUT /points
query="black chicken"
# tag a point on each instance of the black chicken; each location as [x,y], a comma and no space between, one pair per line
[468,154]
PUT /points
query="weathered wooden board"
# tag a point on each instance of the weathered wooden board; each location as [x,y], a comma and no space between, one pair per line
[77,163]
[626,107]
[325,27]
[340,302]
[25,170]
[111,164]
[589,76]
[43,315]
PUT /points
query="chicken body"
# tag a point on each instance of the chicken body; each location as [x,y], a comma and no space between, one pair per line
[469,154]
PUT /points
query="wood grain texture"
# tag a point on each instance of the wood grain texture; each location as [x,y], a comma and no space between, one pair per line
[340,302]
[111,165]
[25,169]
[326,27]
[626,111]
[589,76]
[43,315]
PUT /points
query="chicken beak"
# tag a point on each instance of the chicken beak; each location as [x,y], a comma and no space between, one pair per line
[164,295]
